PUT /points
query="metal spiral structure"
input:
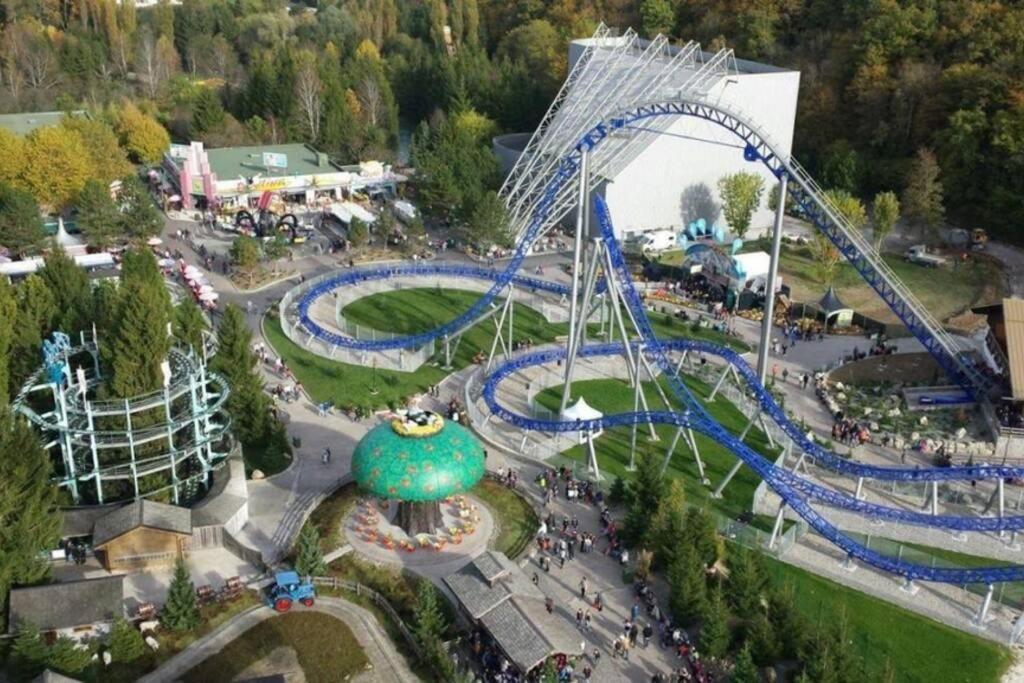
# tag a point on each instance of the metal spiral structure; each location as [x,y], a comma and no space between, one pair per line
[165,443]
[648,84]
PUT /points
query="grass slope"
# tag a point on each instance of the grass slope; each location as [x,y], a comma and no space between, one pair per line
[944,292]
[516,520]
[921,650]
[410,311]
[325,646]
[613,447]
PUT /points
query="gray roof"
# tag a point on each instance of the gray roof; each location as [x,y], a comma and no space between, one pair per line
[68,604]
[489,566]
[487,581]
[25,122]
[521,642]
[80,521]
[141,513]
[53,677]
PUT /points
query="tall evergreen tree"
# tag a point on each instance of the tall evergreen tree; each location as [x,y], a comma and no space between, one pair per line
[762,640]
[688,586]
[310,558]
[189,324]
[181,611]
[21,227]
[714,627]
[36,311]
[668,525]
[791,625]
[98,217]
[139,216]
[248,405]
[747,581]
[647,489]
[29,520]
[140,341]
[207,113]
[105,301]
[9,314]
[701,534]
[429,625]
[72,294]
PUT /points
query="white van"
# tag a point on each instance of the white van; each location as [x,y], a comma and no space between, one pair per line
[652,242]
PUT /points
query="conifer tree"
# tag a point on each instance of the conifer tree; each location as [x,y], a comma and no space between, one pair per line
[189,324]
[140,342]
[181,611]
[429,625]
[747,582]
[668,525]
[126,642]
[762,640]
[71,291]
[65,657]
[28,653]
[8,313]
[714,628]
[310,560]
[248,405]
[790,624]
[701,535]
[140,218]
[31,521]
[688,586]
[98,217]
[744,670]
[647,489]
[36,309]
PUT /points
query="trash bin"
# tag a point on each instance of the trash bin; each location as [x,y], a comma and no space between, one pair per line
[296,442]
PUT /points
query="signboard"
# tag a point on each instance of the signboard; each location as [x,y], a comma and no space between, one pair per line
[844,318]
[275,160]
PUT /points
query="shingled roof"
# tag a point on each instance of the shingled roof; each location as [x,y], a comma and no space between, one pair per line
[141,513]
[68,604]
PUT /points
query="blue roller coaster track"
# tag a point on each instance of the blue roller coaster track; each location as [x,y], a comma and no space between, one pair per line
[795,491]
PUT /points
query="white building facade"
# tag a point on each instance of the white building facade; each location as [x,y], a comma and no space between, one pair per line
[674,180]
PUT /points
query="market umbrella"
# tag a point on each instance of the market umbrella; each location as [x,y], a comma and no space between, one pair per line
[209,296]
[154,241]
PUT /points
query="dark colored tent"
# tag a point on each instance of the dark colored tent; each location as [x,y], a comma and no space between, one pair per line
[830,303]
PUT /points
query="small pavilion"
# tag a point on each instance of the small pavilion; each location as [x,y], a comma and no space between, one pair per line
[418,459]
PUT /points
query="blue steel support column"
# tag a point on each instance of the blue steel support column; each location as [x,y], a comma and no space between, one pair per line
[769,290]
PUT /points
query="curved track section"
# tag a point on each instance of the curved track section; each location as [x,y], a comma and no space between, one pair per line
[797,492]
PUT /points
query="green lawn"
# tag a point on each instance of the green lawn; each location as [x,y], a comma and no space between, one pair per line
[944,291]
[415,310]
[614,396]
[329,515]
[516,520]
[921,650]
[326,649]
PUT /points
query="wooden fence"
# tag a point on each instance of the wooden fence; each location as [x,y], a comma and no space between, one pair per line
[377,598]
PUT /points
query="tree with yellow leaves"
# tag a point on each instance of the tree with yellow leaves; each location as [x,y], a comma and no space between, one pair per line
[12,161]
[108,159]
[141,135]
[57,164]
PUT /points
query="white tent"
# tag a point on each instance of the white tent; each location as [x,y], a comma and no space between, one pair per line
[581,410]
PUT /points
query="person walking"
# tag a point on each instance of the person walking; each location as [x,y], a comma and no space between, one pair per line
[583,588]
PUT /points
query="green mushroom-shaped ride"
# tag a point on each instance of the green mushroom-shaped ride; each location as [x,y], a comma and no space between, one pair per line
[418,459]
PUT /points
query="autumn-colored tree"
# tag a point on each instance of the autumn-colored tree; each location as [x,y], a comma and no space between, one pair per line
[141,135]
[57,164]
[741,195]
[12,161]
[922,197]
[885,211]
[109,161]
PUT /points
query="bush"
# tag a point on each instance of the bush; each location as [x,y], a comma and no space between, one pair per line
[619,492]
[66,657]
[126,643]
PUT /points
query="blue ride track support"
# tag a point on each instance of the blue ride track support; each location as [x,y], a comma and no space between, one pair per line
[796,491]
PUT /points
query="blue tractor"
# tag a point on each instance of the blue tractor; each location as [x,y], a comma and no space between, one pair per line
[288,588]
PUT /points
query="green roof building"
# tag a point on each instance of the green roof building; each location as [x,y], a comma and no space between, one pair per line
[418,459]
[26,122]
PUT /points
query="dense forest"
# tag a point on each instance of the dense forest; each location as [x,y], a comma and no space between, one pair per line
[882,80]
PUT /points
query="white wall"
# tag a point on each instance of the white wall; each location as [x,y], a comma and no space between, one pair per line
[674,181]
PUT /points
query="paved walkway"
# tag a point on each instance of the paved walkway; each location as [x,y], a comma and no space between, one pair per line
[388,665]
